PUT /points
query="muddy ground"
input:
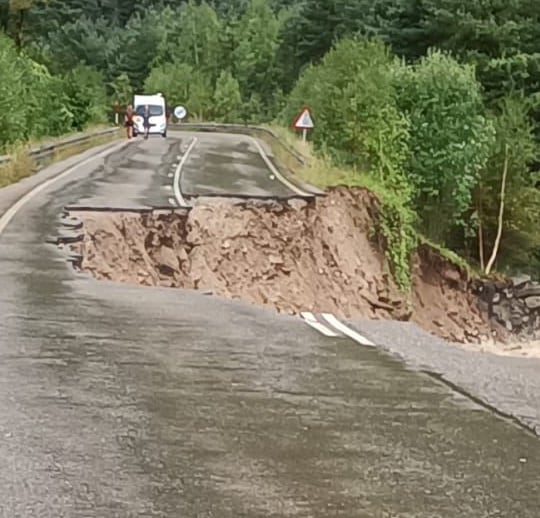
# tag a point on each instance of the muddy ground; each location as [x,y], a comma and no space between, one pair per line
[294,256]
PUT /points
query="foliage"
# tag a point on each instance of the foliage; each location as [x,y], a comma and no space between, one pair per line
[254,56]
[450,139]
[33,103]
[192,36]
[172,80]
[86,96]
[12,100]
[122,89]
[227,99]
[520,238]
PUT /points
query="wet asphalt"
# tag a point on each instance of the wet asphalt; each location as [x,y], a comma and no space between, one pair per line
[122,401]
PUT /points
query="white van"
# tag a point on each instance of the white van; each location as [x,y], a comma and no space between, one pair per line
[158,114]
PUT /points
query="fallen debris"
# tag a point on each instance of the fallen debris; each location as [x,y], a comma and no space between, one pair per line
[294,256]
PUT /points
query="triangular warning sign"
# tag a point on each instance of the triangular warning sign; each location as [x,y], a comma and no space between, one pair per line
[304,120]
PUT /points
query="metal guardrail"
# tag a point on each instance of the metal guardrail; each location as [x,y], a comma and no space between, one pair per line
[44,151]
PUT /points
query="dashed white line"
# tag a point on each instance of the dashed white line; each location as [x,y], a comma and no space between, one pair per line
[346,330]
[312,321]
[12,211]
[176,181]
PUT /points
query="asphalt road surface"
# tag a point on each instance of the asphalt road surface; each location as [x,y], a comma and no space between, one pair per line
[122,401]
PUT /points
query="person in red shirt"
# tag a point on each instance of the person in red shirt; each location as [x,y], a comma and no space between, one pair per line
[128,121]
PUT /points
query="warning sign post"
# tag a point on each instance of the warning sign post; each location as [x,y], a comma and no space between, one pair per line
[303,122]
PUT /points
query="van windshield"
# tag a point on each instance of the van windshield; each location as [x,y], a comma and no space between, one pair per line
[154,109]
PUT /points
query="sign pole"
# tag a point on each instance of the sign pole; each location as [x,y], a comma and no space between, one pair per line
[116,113]
[304,132]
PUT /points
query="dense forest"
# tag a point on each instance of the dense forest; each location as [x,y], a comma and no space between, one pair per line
[437,101]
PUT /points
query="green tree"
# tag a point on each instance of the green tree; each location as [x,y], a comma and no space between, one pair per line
[257,42]
[227,98]
[192,35]
[182,84]
[15,90]
[47,111]
[86,96]
[515,144]
[122,89]
[450,139]
[17,13]
[136,47]
[500,38]
[172,80]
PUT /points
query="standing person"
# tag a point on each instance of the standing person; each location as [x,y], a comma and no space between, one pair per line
[128,121]
[146,120]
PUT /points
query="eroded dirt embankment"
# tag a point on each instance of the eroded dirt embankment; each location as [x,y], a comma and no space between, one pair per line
[293,256]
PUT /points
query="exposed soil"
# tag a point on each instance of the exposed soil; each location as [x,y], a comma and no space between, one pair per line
[294,256]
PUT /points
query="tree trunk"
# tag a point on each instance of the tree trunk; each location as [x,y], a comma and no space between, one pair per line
[501,213]
[19,29]
[480,230]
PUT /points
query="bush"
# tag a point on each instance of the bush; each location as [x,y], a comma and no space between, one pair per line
[354,106]
[450,139]
[86,96]
[227,98]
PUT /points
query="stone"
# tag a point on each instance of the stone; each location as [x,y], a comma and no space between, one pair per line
[533,302]
[451,275]
[167,260]
[274,259]
[182,255]
[297,204]
[520,280]
[508,293]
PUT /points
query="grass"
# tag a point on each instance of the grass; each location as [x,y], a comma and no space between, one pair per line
[316,169]
[448,254]
[23,165]
[20,166]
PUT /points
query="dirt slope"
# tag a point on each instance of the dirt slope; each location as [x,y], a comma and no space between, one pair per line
[294,257]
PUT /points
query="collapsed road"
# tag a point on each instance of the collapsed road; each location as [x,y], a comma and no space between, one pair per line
[119,400]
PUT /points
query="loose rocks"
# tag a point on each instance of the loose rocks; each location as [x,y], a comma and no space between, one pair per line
[514,303]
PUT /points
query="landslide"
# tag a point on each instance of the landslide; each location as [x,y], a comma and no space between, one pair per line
[293,256]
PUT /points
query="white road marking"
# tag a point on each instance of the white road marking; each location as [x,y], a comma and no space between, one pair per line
[346,330]
[172,201]
[12,211]
[274,170]
[176,182]
[312,321]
